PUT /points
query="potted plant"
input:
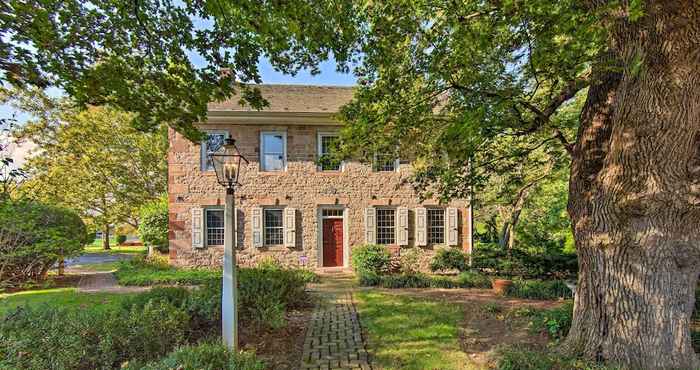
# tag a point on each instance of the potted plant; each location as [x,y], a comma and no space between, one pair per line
[500,286]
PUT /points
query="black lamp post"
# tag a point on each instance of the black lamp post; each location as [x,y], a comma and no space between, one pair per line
[228,163]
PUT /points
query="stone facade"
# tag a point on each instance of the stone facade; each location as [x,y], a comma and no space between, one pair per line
[302,187]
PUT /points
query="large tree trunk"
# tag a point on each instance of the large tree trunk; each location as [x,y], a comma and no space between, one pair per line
[105,238]
[635,193]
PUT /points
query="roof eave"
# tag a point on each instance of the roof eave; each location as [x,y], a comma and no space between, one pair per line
[266,117]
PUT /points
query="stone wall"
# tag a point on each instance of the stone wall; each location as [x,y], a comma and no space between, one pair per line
[302,187]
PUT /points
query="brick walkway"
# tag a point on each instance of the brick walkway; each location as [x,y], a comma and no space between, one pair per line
[334,338]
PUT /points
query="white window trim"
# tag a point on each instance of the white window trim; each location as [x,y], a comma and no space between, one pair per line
[206,227]
[203,149]
[397,161]
[429,227]
[262,150]
[376,226]
[319,135]
[264,227]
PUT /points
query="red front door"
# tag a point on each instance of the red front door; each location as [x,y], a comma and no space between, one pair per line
[332,242]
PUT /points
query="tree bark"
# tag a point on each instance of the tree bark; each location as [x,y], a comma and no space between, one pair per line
[105,238]
[635,193]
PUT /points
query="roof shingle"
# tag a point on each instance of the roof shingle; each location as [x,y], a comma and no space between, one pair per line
[293,98]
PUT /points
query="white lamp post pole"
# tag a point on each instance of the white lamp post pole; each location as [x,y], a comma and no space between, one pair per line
[229,299]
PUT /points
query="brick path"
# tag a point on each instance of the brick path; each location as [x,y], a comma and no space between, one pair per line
[334,338]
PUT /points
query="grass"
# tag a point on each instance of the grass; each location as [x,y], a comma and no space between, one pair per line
[412,333]
[98,267]
[59,297]
[97,248]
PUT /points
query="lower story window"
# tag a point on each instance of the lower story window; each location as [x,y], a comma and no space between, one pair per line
[215,226]
[436,226]
[385,226]
[274,233]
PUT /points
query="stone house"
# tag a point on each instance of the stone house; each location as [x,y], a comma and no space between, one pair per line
[290,207]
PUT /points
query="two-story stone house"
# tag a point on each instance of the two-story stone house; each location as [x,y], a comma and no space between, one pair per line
[290,207]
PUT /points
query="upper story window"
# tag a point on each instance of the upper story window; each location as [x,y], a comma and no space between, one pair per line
[273,151]
[436,226]
[214,223]
[274,227]
[386,230]
[326,143]
[214,141]
[384,163]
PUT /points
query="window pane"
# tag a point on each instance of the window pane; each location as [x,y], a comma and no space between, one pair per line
[212,144]
[273,162]
[384,163]
[436,226]
[215,226]
[273,143]
[328,142]
[273,227]
[385,226]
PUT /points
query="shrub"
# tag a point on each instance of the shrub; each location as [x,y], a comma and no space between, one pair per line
[371,258]
[449,259]
[144,271]
[369,279]
[409,260]
[469,279]
[418,280]
[204,357]
[538,289]
[544,262]
[555,322]
[59,338]
[153,224]
[121,239]
[33,237]
[172,295]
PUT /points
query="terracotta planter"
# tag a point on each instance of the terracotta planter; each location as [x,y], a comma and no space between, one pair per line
[500,286]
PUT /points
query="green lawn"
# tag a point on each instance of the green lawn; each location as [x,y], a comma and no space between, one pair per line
[64,297]
[412,333]
[98,267]
[143,273]
[97,248]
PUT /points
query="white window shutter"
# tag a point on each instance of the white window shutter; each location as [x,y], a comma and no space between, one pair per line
[402,226]
[421,226]
[197,227]
[370,225]
[256,225]
[290,228]
[451,227]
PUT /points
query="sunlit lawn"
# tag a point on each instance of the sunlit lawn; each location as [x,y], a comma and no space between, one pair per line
[63,297]
[412,333]
[97,248]
[98,267]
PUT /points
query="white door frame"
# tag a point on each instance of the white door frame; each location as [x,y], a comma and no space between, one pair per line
[319,234]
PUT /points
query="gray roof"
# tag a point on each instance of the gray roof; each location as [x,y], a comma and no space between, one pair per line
[294,99]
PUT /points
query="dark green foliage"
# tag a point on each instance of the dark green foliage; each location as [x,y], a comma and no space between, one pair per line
[33,237]
[370,258]
[153,224]
[513,358]
[121,239]
[523,261]
[555,322]
[449,259]
[207,356]
[172,295]
[418,280]
[56,338]
[538,289]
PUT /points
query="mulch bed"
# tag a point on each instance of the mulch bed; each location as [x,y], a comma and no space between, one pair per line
[283,348]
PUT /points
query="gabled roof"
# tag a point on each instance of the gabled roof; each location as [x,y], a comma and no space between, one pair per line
[293,99]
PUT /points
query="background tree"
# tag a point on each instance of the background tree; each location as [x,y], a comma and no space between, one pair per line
[92,161]
[449,82]
[166,60]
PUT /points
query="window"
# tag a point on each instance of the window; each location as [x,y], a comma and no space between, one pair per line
[326,142]
[385,226]
[215,226]
[436,226]
[274,233]
[384,163]
[213,142]
[273,155]
[332,213]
